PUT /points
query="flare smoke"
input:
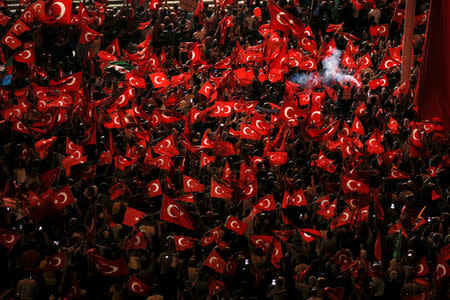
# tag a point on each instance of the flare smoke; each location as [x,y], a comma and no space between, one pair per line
[331,72]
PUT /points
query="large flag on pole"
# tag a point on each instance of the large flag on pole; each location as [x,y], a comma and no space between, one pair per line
[432,94]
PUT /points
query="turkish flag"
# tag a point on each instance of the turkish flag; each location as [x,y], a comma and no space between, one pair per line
[183,242]
[8,238]
[174,213]
[309,235]
[192,185]
[62,198]
[214,285]
[206,160]
[442,269]
[422,267]
[55,262]
[215,261]
[377,248]
[154,188]
[432,96]
[138,241]
[297,199]
[11,41]
[364,3]
[60,11]
[327,211]
[284,21]
[262,242]
[248,133]
[277,253]
[357,126]
[243,76]
[206,89]
[42,146]
[277,158]
[377,82]
[114,48]
[351,185]
[395,173]
[19,27]
[4,19]
[235,225]
[132,217]
[134,81]
[166,147]
[219,190]
[207,143]
[325,163]
[137,286]
[212,235]
[379,30]
[266,203]
[116,267]
[388,62]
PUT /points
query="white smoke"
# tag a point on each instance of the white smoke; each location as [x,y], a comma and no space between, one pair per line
[331,73]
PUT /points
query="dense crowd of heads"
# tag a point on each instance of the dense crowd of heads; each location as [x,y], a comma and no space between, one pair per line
[316,188]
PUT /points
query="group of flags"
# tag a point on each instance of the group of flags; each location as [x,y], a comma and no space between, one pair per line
[68,95]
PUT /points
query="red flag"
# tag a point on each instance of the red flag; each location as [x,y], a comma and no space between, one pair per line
[325,163]
[395,173]
[219,190]
[327,211]
[55,262]
[183,242]
[309,235]
[19,27]
[422,267]
[8,238]
[116,267]
[166,147]
[277,158]
[243,76]
[60,11]
[364,4]
[215,261]
[154,188]
[62,198]
[192,185]
[138,241]
[432,95]
[375,83]
[357,126]
[206,89]
[351,185]
[174,213]
[235,225]
[11,41]
[388,62]
[211,236]
[134,81]
[159,80]
[377,249]
[132,217]
[284,21]
[215,286]
[248,133]
[442,269]
[137,286]
[266,203]
[262,241]
[379,30]
[277,253]
[114,48]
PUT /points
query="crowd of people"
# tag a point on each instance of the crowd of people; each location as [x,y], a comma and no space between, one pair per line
[244,150]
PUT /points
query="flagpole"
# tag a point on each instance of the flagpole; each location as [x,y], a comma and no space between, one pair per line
[408,35]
